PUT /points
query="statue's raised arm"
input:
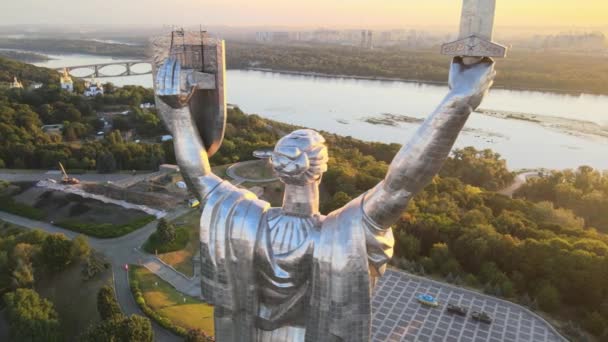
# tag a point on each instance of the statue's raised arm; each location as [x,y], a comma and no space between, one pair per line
[173,104]
[421,158]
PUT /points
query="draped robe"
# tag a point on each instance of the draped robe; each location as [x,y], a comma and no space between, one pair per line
[312,284]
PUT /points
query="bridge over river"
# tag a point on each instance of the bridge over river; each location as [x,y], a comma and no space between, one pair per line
[112,69]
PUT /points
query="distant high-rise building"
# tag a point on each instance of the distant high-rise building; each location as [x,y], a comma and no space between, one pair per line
[274,37]
[363,39]
[66,81]
[366,39]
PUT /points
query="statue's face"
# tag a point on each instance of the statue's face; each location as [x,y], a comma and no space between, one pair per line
[300,157]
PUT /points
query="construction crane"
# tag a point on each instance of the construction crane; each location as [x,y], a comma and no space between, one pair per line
[67,179]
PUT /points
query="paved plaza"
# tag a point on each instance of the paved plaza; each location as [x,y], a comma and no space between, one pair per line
[398,316]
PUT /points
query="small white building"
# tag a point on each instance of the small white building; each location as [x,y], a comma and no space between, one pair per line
[66,81]
[52,129]
[93,88]
[36,85]
[16,84]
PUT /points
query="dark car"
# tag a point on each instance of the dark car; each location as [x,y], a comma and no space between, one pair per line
[457,310]
[481,317]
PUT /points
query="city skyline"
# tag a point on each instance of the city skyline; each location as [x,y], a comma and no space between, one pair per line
[311,13]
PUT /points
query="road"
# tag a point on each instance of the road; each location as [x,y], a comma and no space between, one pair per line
[397,316]
[119,251]
[34,176]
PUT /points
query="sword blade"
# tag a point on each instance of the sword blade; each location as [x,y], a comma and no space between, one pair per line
[477,19]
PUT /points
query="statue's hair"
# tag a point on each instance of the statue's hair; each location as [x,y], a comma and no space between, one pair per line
[300,156]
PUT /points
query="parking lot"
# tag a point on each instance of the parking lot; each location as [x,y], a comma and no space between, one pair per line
[398,316]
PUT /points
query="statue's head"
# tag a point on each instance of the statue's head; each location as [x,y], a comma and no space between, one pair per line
[300,157]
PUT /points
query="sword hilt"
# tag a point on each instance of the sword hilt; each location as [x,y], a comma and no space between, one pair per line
[468,60]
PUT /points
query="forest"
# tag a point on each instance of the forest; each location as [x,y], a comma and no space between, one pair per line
[549,71]
[74,46]
[545,248]
[523,69]
[23,112]
[23,56]
[538,250]
[29,259]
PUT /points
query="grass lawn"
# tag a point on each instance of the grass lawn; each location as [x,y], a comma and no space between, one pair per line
[7,228]
[106,230]
[181,259]
[183,311]
[220,170]
[154,245]
[74,298]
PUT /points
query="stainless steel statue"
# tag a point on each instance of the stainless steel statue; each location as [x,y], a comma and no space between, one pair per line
[291,273]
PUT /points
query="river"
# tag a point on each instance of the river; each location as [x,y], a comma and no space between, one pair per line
[341,105]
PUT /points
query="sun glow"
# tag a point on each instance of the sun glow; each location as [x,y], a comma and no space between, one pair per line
[325,13]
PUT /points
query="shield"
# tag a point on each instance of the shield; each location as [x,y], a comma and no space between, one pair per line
[206,57]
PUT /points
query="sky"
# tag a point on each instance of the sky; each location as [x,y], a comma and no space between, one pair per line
[302,13]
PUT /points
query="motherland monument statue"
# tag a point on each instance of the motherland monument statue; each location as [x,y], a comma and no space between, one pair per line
[291,273]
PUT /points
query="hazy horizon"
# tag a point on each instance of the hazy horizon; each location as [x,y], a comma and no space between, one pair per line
[306,14]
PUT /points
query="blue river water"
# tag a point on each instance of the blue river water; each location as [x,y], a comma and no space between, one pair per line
[341,105]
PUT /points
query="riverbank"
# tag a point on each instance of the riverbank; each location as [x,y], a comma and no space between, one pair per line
[575,127]
[336,105]
[540,71]
[24,56]
[410,80]
[393,120]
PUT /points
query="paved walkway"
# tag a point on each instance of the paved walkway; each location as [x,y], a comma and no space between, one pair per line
[398,316]
[182,283]
[231,172]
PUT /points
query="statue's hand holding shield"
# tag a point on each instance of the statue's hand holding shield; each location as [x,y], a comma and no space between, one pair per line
[172,89]
[189,91]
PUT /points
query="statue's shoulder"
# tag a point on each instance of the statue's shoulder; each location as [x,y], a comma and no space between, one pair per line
[352,210]
[222,190]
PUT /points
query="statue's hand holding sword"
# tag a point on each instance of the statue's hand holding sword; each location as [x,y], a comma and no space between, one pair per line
[471,75]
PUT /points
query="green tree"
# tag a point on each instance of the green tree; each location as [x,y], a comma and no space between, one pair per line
[407,246]
[106,163]
[482,168]
[23,270]
[80,248]
[165,231]
[440,254]
[107,306]
[338,200]
[31,317]
[595,323]
[139,329]
[548,298]
[121,329]
[57,252]
[196,335]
